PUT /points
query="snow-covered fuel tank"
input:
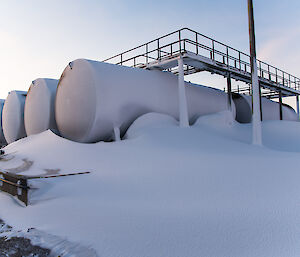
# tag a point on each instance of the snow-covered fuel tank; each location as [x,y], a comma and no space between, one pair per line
[39,106]
[270,109]
[2,138]
[13,116]
[94,97]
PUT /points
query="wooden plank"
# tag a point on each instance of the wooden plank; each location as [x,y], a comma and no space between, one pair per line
[17,185]
[60,175]
[14,186]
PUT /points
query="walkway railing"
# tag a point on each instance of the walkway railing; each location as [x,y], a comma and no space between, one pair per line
[187,40]
[247,90]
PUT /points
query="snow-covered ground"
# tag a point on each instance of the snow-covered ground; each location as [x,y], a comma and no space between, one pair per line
[167,191]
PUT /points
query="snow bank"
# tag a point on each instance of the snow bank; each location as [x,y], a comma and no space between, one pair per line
[282,136]
[218,120]
[224,125]
[150,121]
[170,192]
[277,135]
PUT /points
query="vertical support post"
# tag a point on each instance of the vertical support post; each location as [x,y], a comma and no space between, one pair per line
[196,43]
[256,122]
[147,54]
[117,134]
[280,104]
[260,104]
[297,101]
[183,112]
[179,40]
[158,50]
[229,91]
[227,57]
[260,71]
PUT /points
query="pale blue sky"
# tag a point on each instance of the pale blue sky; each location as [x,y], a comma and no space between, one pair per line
[39,38]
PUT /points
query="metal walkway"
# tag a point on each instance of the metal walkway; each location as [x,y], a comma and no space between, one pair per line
[202,53]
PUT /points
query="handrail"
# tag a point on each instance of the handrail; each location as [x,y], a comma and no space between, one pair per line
[174,32]
[242,62]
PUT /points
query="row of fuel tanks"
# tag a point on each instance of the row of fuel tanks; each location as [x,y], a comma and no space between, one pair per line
[92,98]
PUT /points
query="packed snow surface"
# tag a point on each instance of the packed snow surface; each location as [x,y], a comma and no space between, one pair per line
[167,191]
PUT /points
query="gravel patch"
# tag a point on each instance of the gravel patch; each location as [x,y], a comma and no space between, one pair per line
[18,246]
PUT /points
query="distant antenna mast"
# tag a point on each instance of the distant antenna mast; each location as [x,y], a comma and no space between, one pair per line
[256,122]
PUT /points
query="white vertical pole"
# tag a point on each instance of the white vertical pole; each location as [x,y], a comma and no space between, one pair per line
[229,95]
[183,112]
[117,134]
[256,122]
[297,99]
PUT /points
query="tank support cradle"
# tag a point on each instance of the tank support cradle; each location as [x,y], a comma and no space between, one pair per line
[117,134]
[183,112]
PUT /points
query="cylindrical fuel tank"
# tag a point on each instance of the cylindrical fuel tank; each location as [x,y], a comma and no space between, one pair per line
[2,138]
[13,116]
[270,109]
[94,97]
[39,106]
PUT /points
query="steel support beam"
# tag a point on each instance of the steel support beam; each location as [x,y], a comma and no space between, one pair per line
[229,92]
[297,101]
[183,111]
[260,104]
[256,122]
[280,105]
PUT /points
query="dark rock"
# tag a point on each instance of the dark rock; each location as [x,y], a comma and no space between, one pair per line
[18,246]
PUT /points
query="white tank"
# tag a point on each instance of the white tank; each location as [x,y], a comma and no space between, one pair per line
[13,116]
[2,138]
[94,97]
[270,109]
[39,106]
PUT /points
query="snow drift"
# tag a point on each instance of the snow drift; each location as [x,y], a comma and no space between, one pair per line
[168,191]
[150,121]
